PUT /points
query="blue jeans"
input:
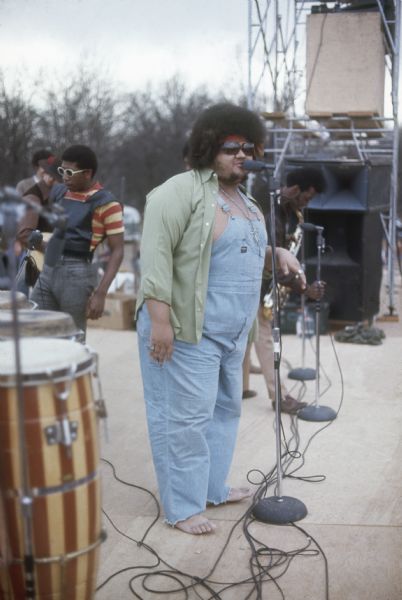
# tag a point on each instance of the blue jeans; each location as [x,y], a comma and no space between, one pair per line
[67,287]
[193,410]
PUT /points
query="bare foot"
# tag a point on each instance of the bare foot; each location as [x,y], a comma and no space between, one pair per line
[237,494]
[196,525]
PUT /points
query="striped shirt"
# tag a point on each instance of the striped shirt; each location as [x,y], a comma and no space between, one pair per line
[106,220]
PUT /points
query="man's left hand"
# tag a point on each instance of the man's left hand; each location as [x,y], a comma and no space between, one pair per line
[95,305]
[316,290]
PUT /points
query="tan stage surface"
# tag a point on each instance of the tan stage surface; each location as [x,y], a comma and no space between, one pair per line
[355,514]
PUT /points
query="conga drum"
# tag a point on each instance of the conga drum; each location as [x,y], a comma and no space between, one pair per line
[21,300]
[49,476]
[40,323]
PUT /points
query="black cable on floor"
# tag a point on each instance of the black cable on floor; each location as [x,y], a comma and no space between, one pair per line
[265,561]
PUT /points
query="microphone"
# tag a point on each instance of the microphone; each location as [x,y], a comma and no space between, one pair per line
[311,227]
[256,165]
[9,194]
[12,209]
[54,215]
[35,239]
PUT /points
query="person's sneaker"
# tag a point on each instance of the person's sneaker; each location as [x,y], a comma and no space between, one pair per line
[248,394]
[290,405]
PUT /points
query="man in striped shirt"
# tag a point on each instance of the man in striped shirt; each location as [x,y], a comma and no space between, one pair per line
[69,279]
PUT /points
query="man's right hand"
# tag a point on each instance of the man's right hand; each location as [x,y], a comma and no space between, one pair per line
[162,336]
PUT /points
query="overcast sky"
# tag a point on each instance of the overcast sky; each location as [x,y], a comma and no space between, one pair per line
[205,41]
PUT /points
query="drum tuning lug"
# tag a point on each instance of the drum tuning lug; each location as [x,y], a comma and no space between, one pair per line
[101,409]
[64,432]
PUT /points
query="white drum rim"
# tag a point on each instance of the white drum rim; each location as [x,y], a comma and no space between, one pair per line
[28,317]
[76,360]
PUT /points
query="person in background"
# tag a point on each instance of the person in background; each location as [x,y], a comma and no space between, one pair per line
[24,185]
[37,196]
[68,281]
[204,246]
[301,187]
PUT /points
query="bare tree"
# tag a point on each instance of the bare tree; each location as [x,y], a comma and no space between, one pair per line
[156,126]
[138,138]
[83,109]
[17,132]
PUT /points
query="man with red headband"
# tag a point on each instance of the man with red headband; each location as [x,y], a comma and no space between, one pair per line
[204,246]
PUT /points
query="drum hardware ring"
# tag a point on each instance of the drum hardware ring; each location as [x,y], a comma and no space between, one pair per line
[54,489]
[63,432]
[64,557]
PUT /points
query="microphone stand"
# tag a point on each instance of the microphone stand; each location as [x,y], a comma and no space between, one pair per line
[277,509]
[9,200]
[315,412]
[303,373]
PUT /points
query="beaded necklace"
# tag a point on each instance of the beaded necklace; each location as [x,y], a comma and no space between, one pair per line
[245,208]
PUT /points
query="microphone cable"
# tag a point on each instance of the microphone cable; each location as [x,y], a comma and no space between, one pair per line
[267,564]
[206,583]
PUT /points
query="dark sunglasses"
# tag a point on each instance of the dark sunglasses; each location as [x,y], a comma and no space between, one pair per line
[234,148]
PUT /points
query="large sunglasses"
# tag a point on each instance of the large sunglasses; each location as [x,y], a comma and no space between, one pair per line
[234,148]
[69,172]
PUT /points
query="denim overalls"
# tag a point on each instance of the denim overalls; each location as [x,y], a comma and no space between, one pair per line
[194,400]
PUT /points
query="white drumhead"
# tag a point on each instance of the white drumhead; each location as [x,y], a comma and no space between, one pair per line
[6,300]
[38,323]
[40,355]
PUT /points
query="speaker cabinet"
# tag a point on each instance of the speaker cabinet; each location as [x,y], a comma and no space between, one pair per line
[351,264]
[350,185]
[345,62]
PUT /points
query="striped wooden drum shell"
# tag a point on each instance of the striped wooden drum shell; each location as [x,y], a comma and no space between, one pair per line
[61,474]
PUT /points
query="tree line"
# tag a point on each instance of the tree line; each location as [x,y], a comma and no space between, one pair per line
[138,136]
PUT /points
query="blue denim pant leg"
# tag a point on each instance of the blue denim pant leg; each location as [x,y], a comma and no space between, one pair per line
[222,429]
[42,292]
[181,399]
[66,288]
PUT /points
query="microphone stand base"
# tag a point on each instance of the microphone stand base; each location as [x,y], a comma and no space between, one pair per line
[302,374]
[279,510]
[314,412]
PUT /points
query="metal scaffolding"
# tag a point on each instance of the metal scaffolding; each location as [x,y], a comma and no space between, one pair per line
[277,88]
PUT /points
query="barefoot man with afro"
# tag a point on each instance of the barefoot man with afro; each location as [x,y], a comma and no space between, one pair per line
[204,246]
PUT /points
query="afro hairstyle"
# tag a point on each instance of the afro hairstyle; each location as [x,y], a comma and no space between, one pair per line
[217,122]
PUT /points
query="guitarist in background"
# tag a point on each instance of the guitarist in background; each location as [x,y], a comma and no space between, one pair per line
[38,194]
[301,187]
